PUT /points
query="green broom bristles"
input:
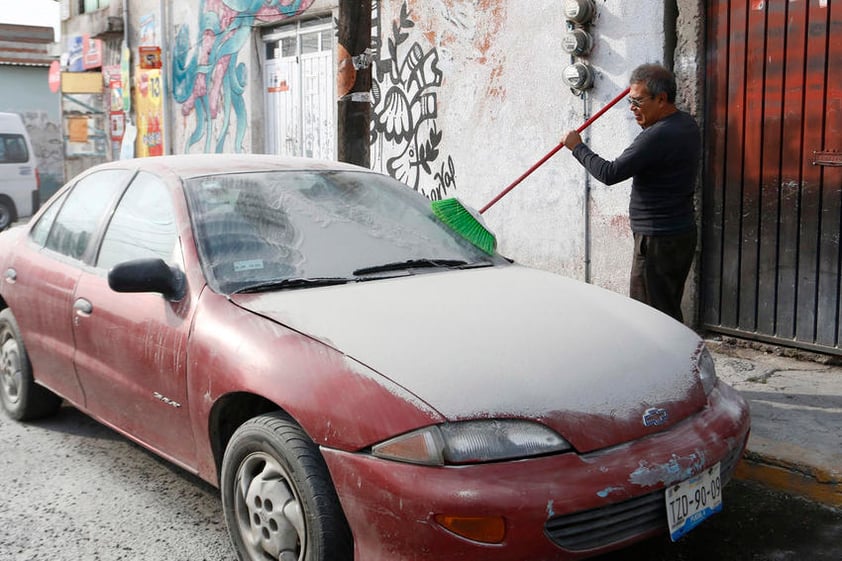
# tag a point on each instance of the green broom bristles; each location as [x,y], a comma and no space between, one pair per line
[466,223]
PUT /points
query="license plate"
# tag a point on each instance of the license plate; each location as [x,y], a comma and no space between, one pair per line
[692,501]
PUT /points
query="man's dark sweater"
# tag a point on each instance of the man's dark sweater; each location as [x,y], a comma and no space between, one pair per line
[663,161]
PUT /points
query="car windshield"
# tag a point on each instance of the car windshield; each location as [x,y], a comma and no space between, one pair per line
[288,229]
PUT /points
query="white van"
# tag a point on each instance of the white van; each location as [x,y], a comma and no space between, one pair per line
[19,180]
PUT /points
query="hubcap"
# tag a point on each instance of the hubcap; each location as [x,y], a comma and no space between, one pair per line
[10,374]
[270,516]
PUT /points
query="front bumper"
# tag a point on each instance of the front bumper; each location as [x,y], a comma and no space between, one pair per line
[391,506]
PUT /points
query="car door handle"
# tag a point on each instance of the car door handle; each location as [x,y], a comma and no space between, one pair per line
[11,275]
[83,307]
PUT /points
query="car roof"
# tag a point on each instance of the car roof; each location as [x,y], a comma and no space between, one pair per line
[197,165]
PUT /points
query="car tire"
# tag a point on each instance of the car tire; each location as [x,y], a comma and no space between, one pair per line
[277,495]
[7,214]
[21,397]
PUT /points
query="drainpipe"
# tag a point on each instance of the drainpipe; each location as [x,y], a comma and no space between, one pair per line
[123,49]
[165,82]
[126,21]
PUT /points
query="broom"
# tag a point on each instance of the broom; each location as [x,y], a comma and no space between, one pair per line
[469,224]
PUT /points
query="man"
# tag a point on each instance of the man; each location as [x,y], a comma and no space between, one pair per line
[662,161]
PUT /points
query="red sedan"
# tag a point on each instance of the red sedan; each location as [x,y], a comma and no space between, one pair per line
[359,381]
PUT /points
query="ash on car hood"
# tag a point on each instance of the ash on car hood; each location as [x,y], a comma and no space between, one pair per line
[508,342]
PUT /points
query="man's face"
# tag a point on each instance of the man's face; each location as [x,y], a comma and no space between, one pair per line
[646,108]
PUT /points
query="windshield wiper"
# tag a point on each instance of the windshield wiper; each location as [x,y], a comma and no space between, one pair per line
[411,264]
[292,283]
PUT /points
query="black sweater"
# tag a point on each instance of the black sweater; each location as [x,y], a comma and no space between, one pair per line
[663,161]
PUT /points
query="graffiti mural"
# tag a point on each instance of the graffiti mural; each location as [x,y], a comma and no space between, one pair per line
[209,80]
[46,137]
[404,92]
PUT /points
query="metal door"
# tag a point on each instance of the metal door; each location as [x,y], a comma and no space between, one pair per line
[772,199]
[300,97]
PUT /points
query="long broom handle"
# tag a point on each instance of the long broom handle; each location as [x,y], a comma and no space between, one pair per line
[552,152]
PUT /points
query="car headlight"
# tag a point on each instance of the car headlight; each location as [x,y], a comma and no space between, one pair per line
[707,371]
[469,442]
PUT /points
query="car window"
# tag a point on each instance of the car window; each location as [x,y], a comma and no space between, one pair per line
[83,211]
[41,229]
[279,225]
[13,149]
[143,225]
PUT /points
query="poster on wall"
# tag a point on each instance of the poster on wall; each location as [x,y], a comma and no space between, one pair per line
[148,30]
[75,52]
[149,111]
[150,57]
[91,52]
[125,65]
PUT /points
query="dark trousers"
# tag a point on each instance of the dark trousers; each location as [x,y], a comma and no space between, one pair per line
[659,270]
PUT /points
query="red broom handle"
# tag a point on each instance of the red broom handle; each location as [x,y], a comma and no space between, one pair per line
[552,152]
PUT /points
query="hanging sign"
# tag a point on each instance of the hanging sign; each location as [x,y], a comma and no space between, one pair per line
[54,77]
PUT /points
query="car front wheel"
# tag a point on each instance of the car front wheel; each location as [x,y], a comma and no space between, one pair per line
[278,499]
[21,397]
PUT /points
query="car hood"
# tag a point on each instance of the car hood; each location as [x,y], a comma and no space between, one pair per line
[509,342]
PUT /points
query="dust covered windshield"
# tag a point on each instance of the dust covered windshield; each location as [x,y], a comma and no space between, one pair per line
[296,228]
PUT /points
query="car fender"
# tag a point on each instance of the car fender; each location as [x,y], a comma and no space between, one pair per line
[339,402]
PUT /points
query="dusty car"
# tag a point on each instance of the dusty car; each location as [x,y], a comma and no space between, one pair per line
[358,380]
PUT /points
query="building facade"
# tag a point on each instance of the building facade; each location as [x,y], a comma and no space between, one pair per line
[26,53]
[466,95]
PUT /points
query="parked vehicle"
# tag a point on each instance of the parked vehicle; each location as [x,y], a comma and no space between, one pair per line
[19,179]
[359,381]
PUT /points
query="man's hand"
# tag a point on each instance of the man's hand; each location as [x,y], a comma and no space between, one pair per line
[572,139]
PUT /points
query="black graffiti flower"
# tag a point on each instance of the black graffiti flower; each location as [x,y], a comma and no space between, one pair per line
[395,120]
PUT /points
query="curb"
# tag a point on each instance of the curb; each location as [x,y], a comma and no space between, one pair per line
[794,470]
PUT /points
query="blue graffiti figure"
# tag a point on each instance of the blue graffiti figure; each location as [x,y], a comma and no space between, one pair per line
[207,77]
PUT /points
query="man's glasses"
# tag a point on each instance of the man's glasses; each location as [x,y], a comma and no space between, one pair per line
[637,101]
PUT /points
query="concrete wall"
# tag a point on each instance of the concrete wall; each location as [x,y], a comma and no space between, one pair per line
[471,96]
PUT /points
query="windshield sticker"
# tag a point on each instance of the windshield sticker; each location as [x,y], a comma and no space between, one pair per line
[248,265]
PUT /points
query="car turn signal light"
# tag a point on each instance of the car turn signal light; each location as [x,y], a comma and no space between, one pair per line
[485,529]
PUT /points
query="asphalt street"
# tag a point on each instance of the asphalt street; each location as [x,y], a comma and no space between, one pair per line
[73,490]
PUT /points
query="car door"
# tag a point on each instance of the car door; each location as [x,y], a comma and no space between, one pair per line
[131,349]
[41,278]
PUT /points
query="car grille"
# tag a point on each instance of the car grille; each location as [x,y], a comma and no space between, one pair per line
[616,522]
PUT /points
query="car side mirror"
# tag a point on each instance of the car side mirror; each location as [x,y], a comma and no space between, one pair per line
[147,275]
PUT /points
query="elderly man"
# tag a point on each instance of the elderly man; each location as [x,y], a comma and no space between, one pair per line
[662,161]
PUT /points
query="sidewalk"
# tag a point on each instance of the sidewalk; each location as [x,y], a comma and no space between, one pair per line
[796,417]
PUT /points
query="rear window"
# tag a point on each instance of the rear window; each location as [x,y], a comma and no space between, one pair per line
[13,149]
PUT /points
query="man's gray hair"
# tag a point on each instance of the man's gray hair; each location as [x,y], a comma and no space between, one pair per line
[657,78]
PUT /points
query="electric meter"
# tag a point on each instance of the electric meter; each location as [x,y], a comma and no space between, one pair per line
[577,42]
[578,76]
[579,11]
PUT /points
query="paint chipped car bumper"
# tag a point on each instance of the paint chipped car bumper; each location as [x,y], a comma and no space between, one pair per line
[392,507]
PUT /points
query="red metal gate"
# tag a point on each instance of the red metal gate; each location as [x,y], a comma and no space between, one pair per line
[772,202]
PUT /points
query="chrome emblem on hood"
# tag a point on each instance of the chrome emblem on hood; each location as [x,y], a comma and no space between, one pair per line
[655,416]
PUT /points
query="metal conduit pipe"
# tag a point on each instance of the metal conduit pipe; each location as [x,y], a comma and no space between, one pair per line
[586,110]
